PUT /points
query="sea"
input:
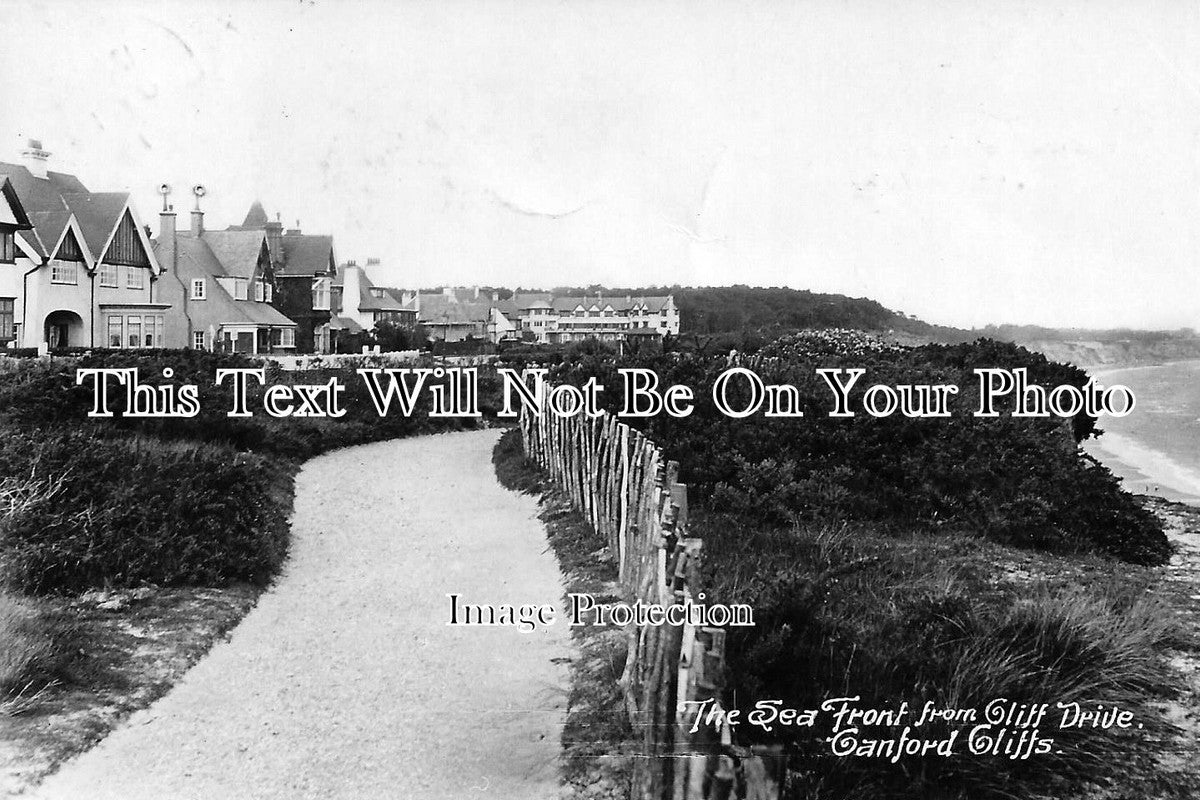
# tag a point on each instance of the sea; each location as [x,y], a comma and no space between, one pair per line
[1155,450]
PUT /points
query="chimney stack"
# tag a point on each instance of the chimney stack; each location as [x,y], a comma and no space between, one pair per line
[35,158]
[275,240]
[197,214]
[351,290]
[166,225]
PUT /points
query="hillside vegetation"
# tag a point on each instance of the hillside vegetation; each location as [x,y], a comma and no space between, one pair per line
[952,561]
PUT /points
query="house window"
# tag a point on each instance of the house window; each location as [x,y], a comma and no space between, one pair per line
[268,292]
[135,278]
[108,274]
[198,289]
[320,295]
[114,331]
[283,337]
[153,331]
[240,289]
[260,291]
[8,247]
[198,340]
[7,318]
[133,329]
[63,272]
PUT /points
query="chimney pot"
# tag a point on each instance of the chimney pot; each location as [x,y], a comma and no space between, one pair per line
[35,158]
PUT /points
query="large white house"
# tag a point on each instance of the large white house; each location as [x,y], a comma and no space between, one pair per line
[87,274]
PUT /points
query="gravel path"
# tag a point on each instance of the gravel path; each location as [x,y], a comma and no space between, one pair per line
[345,681]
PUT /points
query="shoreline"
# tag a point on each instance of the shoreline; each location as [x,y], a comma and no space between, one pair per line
[1144,471]
[1104,370]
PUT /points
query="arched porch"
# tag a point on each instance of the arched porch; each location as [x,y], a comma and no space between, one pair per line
[63,329]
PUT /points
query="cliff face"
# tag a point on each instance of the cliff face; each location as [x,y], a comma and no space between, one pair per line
[1123,353]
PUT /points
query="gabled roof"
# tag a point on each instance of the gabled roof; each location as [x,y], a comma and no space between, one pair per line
[48,227]
[98,214]
[48,199]
[238,251]
[306,254]
[195,259]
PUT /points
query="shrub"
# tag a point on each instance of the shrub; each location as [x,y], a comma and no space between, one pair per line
[1021,481]
[115,511]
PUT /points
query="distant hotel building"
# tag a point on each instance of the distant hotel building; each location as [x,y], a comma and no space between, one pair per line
[457,314]
[554,320]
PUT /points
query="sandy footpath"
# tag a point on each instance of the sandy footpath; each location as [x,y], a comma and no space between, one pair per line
[345,681]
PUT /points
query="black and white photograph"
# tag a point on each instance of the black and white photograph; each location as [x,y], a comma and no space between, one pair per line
[599,400]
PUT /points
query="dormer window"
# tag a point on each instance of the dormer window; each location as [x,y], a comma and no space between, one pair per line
[135,278]
[377,293]
[199,289]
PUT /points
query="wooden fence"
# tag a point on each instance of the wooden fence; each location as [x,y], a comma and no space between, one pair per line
[620,480]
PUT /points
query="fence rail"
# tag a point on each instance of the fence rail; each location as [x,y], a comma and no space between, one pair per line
[622,483]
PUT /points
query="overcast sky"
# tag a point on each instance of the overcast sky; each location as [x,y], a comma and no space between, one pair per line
[964,162]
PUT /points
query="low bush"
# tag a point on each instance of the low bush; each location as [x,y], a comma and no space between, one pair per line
[126,511]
